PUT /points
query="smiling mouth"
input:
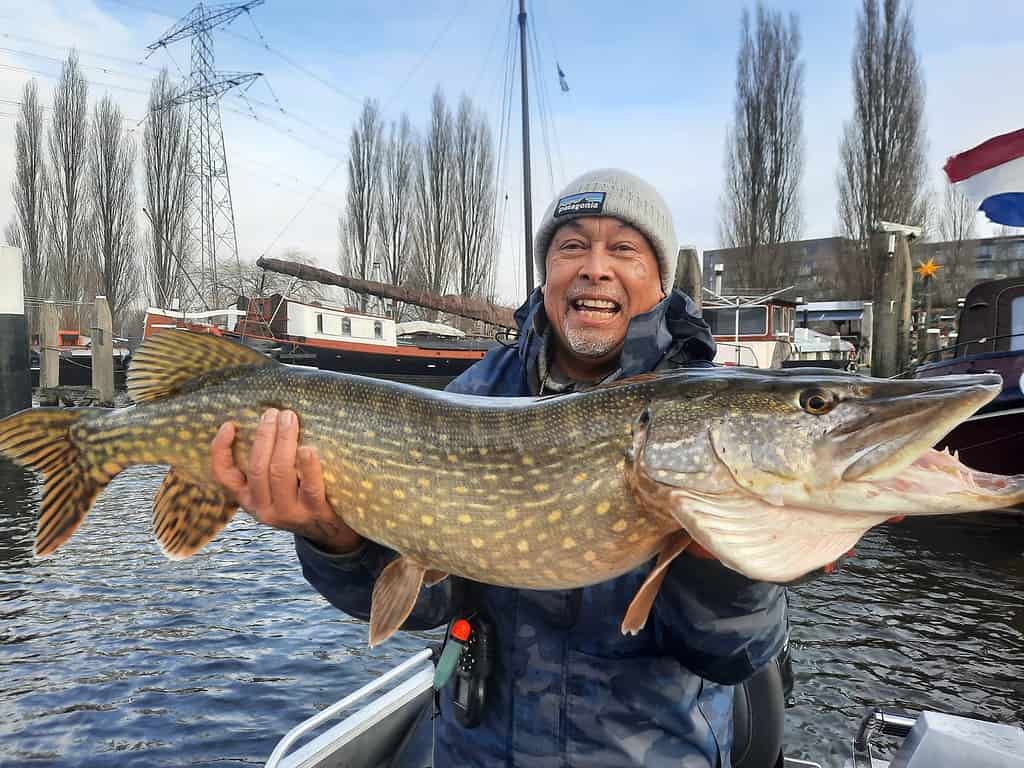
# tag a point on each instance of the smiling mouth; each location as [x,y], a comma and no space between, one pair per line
[598,309]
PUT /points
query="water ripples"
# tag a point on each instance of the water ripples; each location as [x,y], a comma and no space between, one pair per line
[110,655]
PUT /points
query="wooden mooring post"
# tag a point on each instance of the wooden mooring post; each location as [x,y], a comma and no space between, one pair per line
[103,353]
[890,336]
[49,354]
[688,277]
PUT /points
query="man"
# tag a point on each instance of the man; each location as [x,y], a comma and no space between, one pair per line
[568,688]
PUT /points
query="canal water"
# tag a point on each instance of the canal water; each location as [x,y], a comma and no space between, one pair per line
[111,655]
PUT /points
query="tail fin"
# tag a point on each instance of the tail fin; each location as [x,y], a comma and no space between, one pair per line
[40,438]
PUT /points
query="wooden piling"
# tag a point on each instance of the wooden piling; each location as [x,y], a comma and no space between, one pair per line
[49,355]
[103,353]
[688,277]
[890,336]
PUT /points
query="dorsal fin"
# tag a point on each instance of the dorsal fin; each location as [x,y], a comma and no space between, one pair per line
[166,362]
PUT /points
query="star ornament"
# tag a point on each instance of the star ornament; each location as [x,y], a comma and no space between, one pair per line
[928,268]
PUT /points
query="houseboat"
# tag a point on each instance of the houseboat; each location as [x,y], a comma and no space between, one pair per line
[337,339]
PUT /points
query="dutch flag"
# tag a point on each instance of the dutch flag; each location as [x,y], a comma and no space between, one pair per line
[992,175]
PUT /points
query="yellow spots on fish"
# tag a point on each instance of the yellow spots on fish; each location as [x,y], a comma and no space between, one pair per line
[590,555]
[490,522]
[633,537]
[404,517]
[476,541]
[399,494]
[525,564]
[369,434]
[619,526]
[360,512]
[148,457]
[111,468]
[579,478]
[415,454]
[452,458]
[620,464]
[184,434]
[499,535]
[542,536]
[460,489]
[554,451]
[516,479]
[343,491]
[523,546]
[181,419]
[483,451]
[602,508]
[511,513]
[362,496]
[541,487]
[366,484]
[577,510]
[482,562]
[568,542]
[596,484]
[528,461]
[490,478]
[391,524]
[162,441]
[432,545]
[555,516]
[550,574]
[407,429]
[528,522]
[465,519]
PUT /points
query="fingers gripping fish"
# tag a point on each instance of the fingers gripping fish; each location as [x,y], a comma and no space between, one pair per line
[550,493]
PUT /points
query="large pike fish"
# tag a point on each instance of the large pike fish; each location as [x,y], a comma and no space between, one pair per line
[774,473]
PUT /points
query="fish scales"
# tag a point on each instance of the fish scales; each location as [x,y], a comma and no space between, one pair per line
[494,493]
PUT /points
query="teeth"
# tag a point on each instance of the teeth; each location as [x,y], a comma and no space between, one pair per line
[594,304]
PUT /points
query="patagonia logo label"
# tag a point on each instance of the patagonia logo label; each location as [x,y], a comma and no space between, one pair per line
[584,202]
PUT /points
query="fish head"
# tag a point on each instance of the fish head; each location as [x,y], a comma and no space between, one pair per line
[790,437]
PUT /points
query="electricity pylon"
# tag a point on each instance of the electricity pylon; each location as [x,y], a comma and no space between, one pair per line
[211,217]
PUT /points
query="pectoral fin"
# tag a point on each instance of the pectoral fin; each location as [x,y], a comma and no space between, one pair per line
[187,515]
[394,596]
[640,607]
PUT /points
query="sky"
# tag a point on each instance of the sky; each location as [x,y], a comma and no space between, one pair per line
[651,91]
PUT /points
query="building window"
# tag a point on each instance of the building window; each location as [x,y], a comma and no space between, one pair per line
[346,327]
[378,329]
[319,323]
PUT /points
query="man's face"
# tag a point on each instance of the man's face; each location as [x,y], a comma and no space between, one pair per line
[600,273]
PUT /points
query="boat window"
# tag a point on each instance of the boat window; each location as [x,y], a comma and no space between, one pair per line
[378,329]
[1017,323]
[753,321]
[346,327]
[777,325]
[319,323]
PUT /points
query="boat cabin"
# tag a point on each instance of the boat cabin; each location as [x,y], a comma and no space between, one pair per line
[751,331]
[992,318]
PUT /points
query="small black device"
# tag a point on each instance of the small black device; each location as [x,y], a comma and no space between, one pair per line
[476,661]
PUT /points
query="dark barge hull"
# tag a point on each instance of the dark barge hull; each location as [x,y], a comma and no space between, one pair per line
[993,439]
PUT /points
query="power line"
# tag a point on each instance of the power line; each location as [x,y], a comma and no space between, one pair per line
[303,208]
[430,50]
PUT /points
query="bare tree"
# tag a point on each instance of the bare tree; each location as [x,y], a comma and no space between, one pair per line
[956,227]
[883,173]
[255,281]
[473,201]
[397,204]
[28,228]
[434,222]
[362,203]
[66,196]
[112,189]
[764,149]
[165,164]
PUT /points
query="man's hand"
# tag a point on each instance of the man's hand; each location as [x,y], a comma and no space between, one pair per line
[284,487]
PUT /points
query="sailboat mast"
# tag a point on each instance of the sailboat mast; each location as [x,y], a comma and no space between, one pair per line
[527,205]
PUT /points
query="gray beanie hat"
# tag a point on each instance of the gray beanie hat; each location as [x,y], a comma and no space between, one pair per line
[611,192]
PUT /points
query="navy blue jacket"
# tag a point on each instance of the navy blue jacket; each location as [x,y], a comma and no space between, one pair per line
[569,689]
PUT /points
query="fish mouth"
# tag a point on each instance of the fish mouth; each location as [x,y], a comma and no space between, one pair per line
[901,423]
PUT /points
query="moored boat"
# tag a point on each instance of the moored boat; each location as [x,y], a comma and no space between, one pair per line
[990,339]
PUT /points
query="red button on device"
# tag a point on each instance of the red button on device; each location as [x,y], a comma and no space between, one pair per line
[461,630]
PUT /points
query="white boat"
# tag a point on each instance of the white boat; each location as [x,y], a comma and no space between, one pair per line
[387,724]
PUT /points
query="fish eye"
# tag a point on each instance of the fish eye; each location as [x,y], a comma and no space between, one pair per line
[817,401]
